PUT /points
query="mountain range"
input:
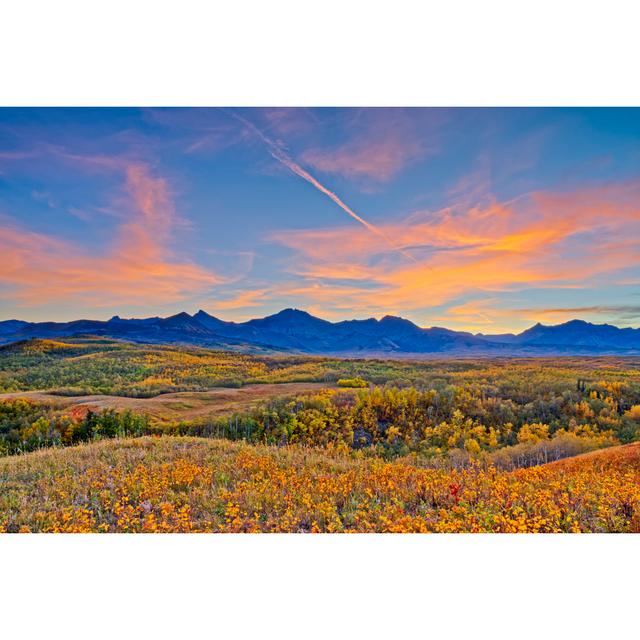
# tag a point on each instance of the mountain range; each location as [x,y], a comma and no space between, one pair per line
[296,331]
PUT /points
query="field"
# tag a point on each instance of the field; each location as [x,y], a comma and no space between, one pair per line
[100,435]
[528,409]
[185,405]
[89,366]
[197,485]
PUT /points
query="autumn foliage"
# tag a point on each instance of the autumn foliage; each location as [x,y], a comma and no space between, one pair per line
[438,446]
[198,485]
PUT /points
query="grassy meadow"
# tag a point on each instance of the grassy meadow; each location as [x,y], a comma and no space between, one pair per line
[196,485]
[101,435]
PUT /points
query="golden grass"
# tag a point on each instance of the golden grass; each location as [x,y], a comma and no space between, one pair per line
[198,485]
[184,405]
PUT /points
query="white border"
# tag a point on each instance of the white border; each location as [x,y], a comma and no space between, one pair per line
[287,52]
[326,586]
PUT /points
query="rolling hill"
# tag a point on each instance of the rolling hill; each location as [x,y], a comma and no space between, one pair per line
[185,484]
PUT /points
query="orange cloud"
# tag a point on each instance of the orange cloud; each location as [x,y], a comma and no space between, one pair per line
[151,198]
[627,309]
[561,240]
[137,268]
[487,316]
[244,299]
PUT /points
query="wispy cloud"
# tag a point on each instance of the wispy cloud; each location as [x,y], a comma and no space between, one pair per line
[379,144]
[621,314]
[243,299]
[289,121]
[281,156]
[378,159]
[135,268]
[491,315]
[43,196]
[550,240]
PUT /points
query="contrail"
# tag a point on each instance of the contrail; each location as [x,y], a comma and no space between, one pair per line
[277,153]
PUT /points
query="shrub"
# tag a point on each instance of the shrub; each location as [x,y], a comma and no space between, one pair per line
[355,383]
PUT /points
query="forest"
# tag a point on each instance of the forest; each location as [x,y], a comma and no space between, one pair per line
[86,366]
[507,412]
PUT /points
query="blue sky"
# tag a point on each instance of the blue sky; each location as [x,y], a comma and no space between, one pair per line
[479,219]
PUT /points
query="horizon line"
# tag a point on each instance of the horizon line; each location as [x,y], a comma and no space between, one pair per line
[378,319]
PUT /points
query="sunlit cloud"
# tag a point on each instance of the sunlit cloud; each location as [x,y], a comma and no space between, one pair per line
[492,315]
[135,268]
[243,300]
[550,240]
[627,312]
[484,220]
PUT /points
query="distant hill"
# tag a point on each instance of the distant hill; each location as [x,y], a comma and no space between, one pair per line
[296,331]
[7,327]
[580,333]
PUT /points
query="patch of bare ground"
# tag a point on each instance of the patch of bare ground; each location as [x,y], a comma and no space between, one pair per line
[185,405]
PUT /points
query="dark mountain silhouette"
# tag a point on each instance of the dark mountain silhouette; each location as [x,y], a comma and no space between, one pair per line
[579,332]
[296,331]
[11,326]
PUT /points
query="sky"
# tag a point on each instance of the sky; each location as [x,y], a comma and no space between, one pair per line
[485,220]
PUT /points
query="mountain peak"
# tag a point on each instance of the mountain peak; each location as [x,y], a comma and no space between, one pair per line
[201,313]
[296,330]
[183,315]
[290,315]
[211,322]
[291,312]
[396,321]
[577,323]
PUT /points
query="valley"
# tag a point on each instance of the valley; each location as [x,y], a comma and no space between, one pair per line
[185,405]
[106,435]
